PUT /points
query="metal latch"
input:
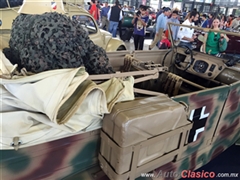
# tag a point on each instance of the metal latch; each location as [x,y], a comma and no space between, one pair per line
[16,143]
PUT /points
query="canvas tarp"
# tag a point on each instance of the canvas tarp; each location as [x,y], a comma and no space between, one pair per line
[54,104]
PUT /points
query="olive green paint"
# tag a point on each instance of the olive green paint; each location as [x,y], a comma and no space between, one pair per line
[15,161]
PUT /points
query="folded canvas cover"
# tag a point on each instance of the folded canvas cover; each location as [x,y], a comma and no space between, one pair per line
[37,108]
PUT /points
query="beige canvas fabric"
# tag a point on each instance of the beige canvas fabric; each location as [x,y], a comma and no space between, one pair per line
[54,104]
[118,90]
[6,68]
[4,41]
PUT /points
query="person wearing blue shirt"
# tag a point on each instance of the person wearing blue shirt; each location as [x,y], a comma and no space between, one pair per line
[104,16]
[174,29]
[160,12]
[204,21]
[184,14]
[140,22]
[161,26]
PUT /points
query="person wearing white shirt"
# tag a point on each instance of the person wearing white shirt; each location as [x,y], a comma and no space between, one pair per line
[186,35]
[125,8]
[235,23]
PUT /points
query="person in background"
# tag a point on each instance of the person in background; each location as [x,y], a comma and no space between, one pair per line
[229,21]
[114,16]
[120,23]
[140,22]
[131,8]
[174,29]
[89,6]
[223,22]
[211,45]
[204,23]
[184,14]
[98,5]
[125,8]
[235,23]
[104,16]
[164,43]
[210,20]
[185,34]
[161,26]
[93,10]
[198,21]
[160,12]
[98,12]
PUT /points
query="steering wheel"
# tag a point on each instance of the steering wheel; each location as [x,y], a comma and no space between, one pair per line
[178,61]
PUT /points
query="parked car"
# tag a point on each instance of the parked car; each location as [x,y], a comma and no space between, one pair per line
[100,37]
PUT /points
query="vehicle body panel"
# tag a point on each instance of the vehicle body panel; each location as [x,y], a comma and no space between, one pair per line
[78,153]
[70,155]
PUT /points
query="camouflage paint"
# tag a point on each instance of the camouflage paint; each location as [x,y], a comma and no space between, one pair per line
[65,157]
[52,160]
[222,128]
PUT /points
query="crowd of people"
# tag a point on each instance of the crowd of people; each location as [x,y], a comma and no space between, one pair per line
[214,41]
[110,19]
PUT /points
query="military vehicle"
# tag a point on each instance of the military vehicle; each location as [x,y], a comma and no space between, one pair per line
[69,7]
[183,113]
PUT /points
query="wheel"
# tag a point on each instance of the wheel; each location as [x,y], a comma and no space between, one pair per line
[121,48]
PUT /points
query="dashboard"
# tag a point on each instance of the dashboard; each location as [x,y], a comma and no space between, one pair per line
[203,65]
[206,68]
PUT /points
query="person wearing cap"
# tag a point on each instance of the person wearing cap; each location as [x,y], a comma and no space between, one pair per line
[161,26]
[235,23]
[185,34]
[114,16]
